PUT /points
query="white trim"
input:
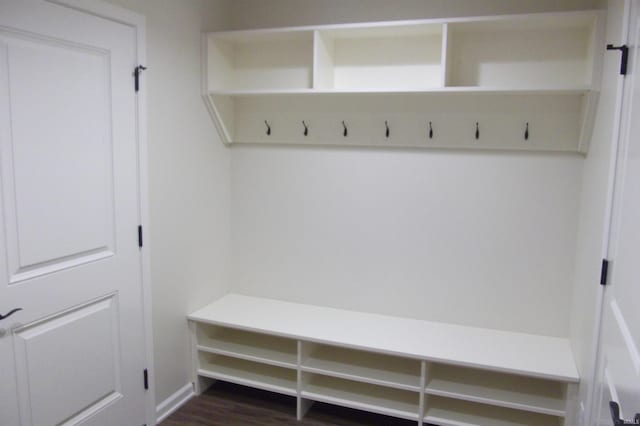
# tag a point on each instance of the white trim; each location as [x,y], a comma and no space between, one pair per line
[175,401]
[138,23]
[626,336]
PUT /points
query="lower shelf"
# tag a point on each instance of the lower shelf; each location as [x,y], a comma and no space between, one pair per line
[247,373]
[451,412]
[361,396]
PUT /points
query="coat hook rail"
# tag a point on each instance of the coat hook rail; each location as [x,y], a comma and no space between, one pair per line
[268,127]
[345,132]
[306,128]
[477,131]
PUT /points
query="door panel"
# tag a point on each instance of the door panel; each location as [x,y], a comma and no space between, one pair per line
[67,352]
[69,213]
[57,162]
[619,355]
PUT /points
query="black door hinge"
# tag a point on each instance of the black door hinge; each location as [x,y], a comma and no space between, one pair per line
[624,49]
[139,235]
[146,379]
[604,272]
[136,75]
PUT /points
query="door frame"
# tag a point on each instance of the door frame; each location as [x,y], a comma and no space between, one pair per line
[138,23]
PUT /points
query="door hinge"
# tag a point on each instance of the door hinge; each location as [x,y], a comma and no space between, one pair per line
[146,379]
[604,272]
[139,235]
[624,49]
[136,76]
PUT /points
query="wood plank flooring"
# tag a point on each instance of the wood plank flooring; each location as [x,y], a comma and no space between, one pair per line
[226,404]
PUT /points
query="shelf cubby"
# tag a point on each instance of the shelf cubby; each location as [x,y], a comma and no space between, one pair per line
[246,345]
[379,57]
[452,412]
[363,366]
[249,60]
[247,373]
[361,396]
[498,389]
[544,51]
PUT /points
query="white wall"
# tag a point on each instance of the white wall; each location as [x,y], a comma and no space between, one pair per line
[593,211]
[485,239]
[188,179]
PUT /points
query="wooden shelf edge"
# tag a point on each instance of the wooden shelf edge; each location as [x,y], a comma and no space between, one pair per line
[247,382]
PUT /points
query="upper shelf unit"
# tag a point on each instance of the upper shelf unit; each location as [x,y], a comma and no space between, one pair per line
[345,73]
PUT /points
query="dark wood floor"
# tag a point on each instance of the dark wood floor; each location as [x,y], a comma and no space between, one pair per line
[226,404]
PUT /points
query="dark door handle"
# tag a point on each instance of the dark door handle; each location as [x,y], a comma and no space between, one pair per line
[11,312]
[615,416]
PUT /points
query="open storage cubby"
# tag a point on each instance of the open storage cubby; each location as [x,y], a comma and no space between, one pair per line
[432,373]
[247,373]
[334,74]
[361,396]
[363,366]
[247,345]
[533,52]
[247,61]
[391,57]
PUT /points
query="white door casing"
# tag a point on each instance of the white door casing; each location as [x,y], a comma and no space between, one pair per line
[618,367]
[69,213]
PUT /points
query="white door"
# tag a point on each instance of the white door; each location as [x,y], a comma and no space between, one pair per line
[68,220]
[618,378]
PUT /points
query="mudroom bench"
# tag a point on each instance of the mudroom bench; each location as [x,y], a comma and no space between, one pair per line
[430,372]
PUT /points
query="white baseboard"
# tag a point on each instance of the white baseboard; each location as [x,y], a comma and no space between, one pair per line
[175,401]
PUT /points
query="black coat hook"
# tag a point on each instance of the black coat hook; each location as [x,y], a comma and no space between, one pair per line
[477,131]
[268,127]
[306,128]
[386,125]
[346,132]
[526,132]
[430,131]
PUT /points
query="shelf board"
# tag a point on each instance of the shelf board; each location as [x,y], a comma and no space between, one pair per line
[252,347]
[534,395]
[495,350]
[396,403]
[575,90]
[383,370]
[249,374]
[451,412]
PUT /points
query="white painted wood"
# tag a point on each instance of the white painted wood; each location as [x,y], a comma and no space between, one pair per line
[84,62]
[406,57]
[525,354]
[174,402]
[535,53]
[250,346]
[275,379]
[366,367]
[618,368]
[553,119]
[265,61]
[392,402]
[451,412]
[527,51]
[524,393]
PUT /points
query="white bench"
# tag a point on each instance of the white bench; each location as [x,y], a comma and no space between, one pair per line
[424,371]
